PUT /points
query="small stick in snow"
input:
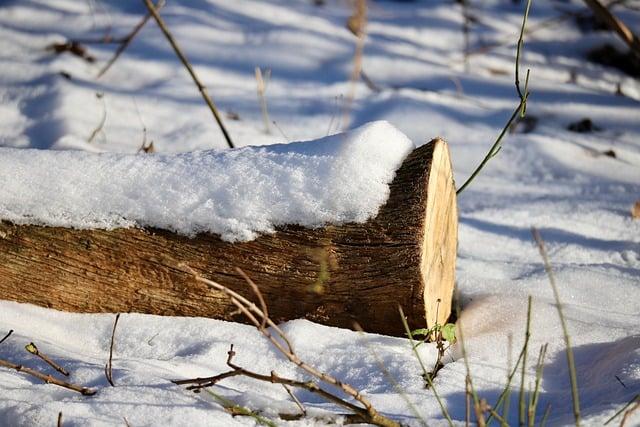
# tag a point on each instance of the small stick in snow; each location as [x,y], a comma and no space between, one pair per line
[31,348]
[356,24]
[107,368]
[303,411]
[198,384]
[202,88]
[6,336]
[262,88]
[126,40]
[635,398]
[49,379]
[103,120]
[60,419]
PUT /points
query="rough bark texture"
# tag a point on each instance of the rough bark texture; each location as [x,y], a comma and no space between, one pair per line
[335,275]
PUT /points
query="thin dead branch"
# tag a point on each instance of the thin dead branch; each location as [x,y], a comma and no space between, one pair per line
[357,24]
[266,325]
[73,47]
[635,399]
[6,336]
[202,88]
[49,379]
[126,40]
[59,419]
[262,80]
[31,348]
[103,119]
[108,367]
[303,411]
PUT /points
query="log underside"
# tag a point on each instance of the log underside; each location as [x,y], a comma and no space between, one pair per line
[334,275]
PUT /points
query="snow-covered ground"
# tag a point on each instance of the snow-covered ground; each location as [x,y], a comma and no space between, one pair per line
[551,178]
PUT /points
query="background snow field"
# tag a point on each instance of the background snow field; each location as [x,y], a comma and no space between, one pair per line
[576,188]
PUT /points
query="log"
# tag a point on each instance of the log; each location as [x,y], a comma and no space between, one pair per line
[336,274]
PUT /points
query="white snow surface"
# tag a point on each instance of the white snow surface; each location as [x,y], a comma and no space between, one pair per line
[546,176]
[234,193]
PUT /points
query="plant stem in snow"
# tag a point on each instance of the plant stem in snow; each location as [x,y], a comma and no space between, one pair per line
[6,336]
[425,374]
[202,88]
[108,367]
[521,408]
[523,94]
[567,340]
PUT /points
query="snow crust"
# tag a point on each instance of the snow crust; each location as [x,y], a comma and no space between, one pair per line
[235,193]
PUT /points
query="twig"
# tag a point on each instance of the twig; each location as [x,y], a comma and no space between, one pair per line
[126,40]
[201,383]
[202,88]
[6,336]
[103,120]
[533,401]
[521,108]
[261,82]
[31,348]
[547,411]
[503,396]
[425,374]
[258,318]
[303,411]
[569,351]
[465,32]
[357,25]
[59,419]
[629,403]
[521,401]
[108,367]
[48,378]
[480,420]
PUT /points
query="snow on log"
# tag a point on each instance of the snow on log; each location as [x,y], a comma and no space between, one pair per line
[353,261]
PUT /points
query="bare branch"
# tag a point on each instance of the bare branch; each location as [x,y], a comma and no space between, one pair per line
[203,90]
[48,378]
[31,348]
[126,40]
[108,367]
[6,336]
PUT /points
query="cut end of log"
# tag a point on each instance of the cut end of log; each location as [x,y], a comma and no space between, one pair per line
[440,239]
[337,275]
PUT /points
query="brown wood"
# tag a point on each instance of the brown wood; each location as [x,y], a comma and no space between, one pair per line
[335,275]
